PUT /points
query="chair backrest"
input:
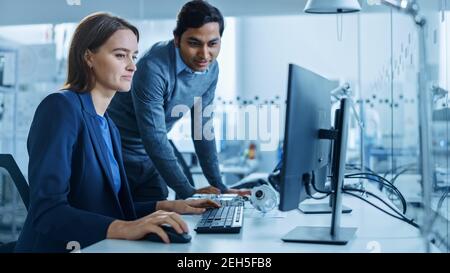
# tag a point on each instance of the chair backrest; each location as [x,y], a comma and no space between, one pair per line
[9,164]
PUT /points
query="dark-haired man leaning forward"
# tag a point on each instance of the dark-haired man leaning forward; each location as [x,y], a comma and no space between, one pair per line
[179,72]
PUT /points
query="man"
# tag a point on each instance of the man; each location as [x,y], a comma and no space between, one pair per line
[179,72]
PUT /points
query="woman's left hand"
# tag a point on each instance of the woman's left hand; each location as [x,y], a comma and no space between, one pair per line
[192,206]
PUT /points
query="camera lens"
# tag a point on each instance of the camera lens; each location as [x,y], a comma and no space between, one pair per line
[259,194]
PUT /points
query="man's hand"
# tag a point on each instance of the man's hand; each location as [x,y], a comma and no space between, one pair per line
[195,206]
[240,192]
[208,190]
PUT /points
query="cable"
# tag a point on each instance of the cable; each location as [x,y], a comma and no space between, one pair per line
[354,176]
[398,167]
[372,174]
[390,186]
[373,179]
[409,221]
[384,182]
[441,200]
[403,218]
[379,198]
[400,173]
[439,206]
[396,192]
[376,175]
[308,180]
[387,183]
[313,184]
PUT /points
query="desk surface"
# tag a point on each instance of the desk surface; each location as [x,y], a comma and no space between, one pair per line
[376,231]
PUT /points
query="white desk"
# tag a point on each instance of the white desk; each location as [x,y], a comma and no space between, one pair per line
[263,235]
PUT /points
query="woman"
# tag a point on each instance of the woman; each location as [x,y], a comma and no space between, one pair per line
[78,186]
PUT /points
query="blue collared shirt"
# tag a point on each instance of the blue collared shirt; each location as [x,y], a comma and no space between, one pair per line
[106,134]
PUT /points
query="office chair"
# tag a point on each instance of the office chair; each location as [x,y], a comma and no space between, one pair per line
[9,164]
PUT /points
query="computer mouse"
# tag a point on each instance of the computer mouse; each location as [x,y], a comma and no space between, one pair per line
[174,236]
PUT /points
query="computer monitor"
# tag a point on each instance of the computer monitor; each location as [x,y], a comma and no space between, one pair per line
[308,110]
[306,150]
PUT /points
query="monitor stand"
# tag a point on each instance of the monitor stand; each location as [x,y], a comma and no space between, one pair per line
[335,234]
[322,208]
[319,235]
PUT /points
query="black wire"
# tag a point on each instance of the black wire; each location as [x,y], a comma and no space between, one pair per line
[400,173]
[399,167]
[396,191]
[392,187]
[313,184]
[375,180]
[443,197]
[371,174]
[353,176]
[403,218]
[378,176]
[310,181]
[439,206]
[379,198]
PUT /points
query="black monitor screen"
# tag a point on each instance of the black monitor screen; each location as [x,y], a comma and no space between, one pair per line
[308,110]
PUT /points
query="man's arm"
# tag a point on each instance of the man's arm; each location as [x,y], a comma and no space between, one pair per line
[148,99]
[203,136]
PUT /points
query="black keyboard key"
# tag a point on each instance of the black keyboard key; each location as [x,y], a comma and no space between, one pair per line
[221,220]
[212,215]
[218,215]
[205,215]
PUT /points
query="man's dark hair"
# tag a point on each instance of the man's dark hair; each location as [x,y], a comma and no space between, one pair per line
[195,14]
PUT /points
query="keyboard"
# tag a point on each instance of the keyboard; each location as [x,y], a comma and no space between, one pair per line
[226,219]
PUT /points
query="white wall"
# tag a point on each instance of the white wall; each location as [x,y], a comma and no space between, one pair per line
[268,44]
[363,57]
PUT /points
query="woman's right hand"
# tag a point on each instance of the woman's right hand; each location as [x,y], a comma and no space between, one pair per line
[137,229]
